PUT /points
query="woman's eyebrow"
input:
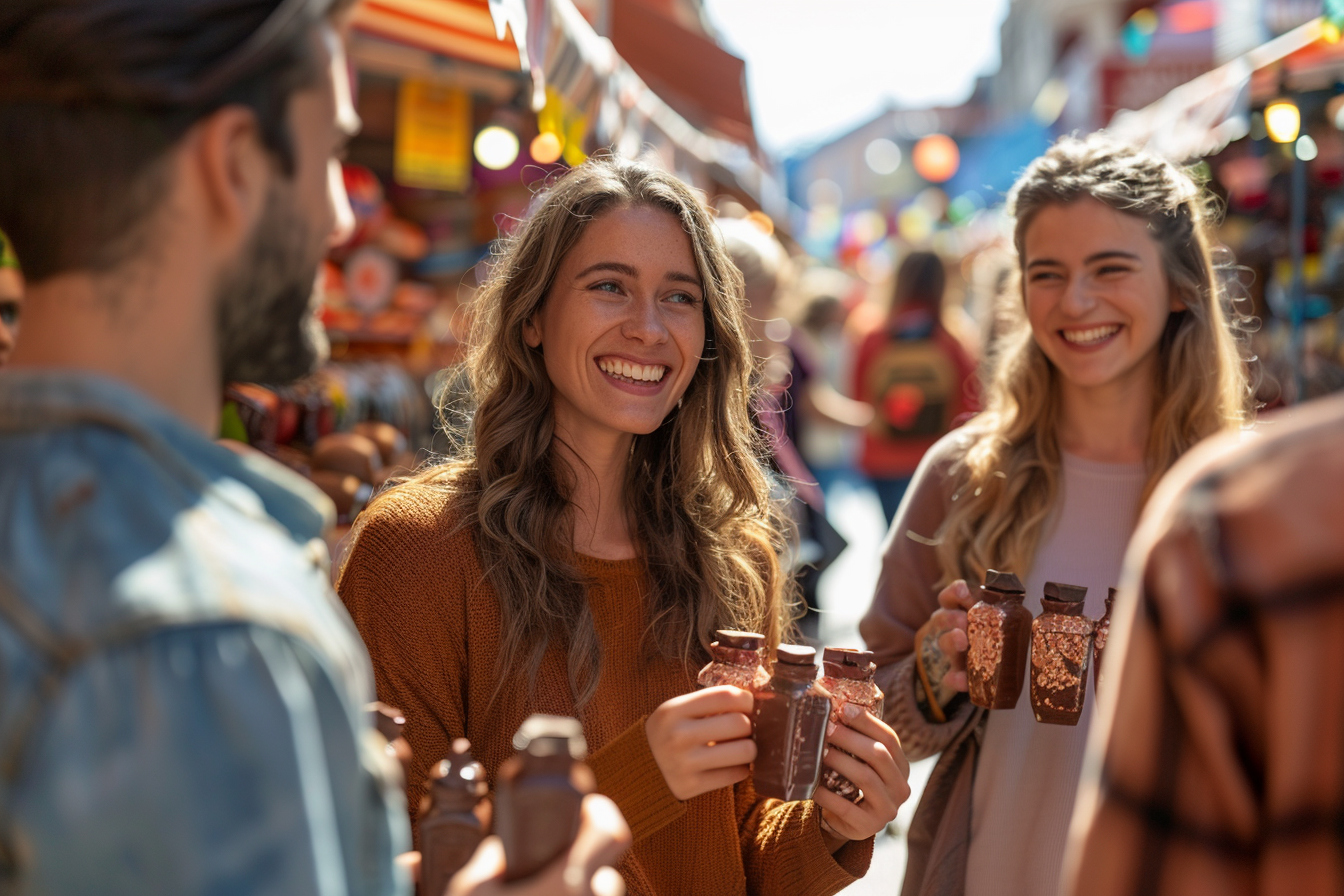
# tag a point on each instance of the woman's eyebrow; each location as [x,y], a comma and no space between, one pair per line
[1091,259]
[615,266]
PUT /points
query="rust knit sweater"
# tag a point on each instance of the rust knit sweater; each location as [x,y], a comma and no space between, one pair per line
[414,585]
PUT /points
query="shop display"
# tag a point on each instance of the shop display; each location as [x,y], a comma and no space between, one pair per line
[1061,649]
[998,629]
[736,660]
[454,817]
[538,793]
[789,719]
[848,676]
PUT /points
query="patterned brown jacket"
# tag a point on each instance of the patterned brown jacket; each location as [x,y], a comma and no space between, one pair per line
[1217,764]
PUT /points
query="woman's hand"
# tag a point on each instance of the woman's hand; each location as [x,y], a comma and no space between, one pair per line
[702,741]
[946,631]
[877,764]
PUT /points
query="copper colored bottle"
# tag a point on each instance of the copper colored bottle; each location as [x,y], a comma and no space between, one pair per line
[998,630]
[538,793]
[389,722]
[789,720]
[1061,649]
[735,660]
[848,676]
[454,817]
[1103,634]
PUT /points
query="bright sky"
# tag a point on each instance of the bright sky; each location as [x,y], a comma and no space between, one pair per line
[817,67]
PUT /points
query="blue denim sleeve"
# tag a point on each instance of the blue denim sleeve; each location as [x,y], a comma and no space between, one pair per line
[210,759]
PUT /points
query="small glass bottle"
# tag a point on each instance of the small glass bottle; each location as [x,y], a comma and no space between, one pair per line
[998,632]
[539,792]
[789,720]
[1103,634]
[454,817]
[735,660]
[1061,649]
[848,676]
[389,721]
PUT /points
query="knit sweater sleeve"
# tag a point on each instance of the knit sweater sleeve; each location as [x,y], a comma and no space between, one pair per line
[413,623]
[783,850]
[627,773]
[905,598]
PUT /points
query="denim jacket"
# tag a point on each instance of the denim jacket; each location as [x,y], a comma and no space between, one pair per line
[181,693]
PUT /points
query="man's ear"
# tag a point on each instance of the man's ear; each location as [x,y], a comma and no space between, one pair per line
[234,171]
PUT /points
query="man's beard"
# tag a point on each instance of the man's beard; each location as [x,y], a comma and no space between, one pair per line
[267,330]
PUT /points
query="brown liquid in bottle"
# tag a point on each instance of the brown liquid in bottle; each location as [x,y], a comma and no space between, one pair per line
[848,676]
[1103,634]
[389,722]
[539,792]
[735,660]
[789,719]
[1061,649]
[998,630]
[454,817]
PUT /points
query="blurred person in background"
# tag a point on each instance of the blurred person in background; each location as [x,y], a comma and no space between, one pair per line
[184,696]
[1115,358]
[792,388]
[916,376]
[11,298]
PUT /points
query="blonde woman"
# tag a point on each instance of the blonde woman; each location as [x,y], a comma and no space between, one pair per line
[611,512]
[1117,356]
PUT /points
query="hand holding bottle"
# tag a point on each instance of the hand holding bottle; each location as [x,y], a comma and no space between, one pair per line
[702,740]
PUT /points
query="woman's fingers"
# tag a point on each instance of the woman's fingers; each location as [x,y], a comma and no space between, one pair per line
[724,754]
[710,702]
[949,620]
[726,726]
[956,596]
[864,724]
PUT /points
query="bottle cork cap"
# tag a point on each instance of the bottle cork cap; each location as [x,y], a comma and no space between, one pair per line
[1110,597]
[543,735]
[387,719]
[796,655]
[1003,582]
[847,656]
[740,640]
[1069,594]
[460,771]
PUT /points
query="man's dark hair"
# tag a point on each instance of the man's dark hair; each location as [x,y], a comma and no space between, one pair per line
[94,93]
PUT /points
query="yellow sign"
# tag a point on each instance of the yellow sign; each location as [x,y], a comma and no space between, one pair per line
[433,149]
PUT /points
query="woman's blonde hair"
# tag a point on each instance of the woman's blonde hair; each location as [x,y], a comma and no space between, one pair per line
[1009,477]
[698,499]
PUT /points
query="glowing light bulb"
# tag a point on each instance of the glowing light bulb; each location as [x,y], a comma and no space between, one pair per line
[1283,120]
[545,148]
[496,147]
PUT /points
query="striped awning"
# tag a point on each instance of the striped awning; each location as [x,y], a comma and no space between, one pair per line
[463,29]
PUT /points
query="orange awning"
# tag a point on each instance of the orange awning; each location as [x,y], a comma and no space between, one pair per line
[459,28]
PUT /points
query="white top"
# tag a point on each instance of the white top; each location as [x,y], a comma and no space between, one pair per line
[1028,772]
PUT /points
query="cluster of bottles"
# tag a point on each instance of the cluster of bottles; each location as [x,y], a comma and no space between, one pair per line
[1062,644]
[538,795]
[793,708]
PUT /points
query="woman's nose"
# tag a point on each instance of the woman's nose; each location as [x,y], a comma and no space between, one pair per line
[645,322]
[1078,296]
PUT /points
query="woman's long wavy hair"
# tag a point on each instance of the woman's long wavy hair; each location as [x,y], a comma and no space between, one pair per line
[697,495]
[1009,478]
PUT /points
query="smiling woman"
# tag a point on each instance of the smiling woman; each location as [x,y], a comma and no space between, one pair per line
[610,513]
[1116,356]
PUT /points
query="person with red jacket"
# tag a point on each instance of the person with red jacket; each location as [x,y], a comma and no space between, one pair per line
[917,377]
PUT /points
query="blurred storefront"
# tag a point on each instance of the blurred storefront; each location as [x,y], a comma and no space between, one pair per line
[1218,121]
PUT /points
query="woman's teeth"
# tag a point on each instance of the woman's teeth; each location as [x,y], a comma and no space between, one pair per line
[640,373]
[1095,334]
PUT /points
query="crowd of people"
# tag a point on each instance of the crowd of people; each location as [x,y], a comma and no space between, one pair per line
[183,692]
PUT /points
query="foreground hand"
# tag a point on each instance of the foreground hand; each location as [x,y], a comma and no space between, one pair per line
[584,871]
[876,763]
[702,740]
